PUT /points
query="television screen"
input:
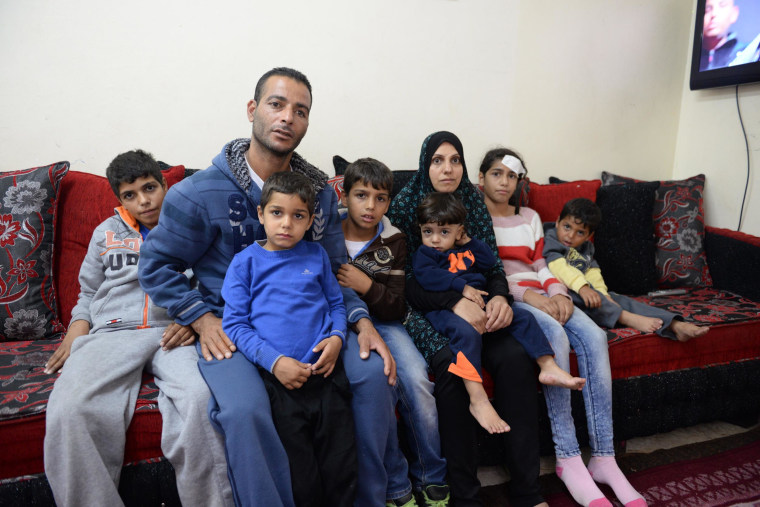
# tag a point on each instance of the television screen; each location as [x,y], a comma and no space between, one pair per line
[726,43]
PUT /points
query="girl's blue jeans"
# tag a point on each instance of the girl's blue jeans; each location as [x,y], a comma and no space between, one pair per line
[589,342]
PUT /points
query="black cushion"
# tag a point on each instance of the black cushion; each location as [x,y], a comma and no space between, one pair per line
[340,163]
[625,242]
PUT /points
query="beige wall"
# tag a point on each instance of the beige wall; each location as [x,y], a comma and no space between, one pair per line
[578,87]
[599,87]
[89,79]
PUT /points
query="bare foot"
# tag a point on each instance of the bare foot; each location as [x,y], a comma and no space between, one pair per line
[482,410]
[639,322]
[685,331]
[486,415]
[552,375]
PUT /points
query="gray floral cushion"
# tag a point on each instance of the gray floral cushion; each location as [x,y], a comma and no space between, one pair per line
[28,202]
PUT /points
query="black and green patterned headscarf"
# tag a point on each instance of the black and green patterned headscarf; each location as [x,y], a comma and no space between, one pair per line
[402,214]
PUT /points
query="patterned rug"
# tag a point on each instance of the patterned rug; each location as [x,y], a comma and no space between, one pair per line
[729,478]
[719,473]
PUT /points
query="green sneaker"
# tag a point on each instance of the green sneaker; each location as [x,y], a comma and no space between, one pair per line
[405,501]
[436,496]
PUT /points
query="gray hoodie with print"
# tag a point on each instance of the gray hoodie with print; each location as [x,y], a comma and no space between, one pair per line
[110,296]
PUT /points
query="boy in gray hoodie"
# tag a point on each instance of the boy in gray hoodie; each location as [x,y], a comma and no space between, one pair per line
[116,333]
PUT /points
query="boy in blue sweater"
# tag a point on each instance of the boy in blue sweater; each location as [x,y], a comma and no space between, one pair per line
[284,311]
[116,332]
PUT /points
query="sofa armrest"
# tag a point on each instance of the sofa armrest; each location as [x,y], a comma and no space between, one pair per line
[734,261]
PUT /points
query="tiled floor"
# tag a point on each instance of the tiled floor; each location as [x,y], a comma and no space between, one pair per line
[496,475]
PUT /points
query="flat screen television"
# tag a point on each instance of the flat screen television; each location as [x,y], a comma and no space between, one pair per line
[726,43]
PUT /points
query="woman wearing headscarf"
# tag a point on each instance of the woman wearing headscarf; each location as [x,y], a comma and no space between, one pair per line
[442,169]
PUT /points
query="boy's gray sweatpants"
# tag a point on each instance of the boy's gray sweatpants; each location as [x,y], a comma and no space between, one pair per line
[608,314]
[91,407]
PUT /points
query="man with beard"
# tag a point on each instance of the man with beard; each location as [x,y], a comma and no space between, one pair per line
[206,220]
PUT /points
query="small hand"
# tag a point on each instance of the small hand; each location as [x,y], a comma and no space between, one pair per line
[177,335]
[330,348]
[352,277]
[472,313]
[62,353]
[291,373]
[498,313]
[565,307]
[543,303]
[590,297]
[214,341]
[475,295]
[369,339]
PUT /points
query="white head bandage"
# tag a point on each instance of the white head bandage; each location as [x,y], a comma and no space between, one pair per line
[514,164]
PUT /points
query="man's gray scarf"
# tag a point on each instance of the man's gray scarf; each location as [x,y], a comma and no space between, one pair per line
[235,154]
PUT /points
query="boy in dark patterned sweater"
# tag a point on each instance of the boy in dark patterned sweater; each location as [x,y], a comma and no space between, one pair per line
[375,271]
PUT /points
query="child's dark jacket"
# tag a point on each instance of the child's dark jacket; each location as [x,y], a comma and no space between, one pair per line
[383,260]
[455,268]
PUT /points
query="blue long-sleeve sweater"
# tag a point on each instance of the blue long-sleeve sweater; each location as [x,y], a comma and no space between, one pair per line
[205,220]
[282,303]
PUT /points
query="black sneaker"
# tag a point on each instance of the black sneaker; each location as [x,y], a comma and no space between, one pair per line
[405,501]
[436,496]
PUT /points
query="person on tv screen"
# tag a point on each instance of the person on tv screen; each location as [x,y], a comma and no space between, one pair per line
[719,44]
[749,54]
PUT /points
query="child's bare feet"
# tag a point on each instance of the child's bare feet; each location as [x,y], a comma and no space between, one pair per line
[639,322]
[552,375]
[685,331]
[482,410]
[486,415]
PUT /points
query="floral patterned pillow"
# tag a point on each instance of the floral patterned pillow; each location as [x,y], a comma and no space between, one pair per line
[28,202]
[679,222]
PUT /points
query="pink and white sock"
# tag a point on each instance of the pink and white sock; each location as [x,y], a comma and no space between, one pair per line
[579,483]
[605,469]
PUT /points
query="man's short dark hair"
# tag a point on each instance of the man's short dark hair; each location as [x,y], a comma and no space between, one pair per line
[288,183]
[442,208]
[129,166]
[370,171]
[583,211]
[281,71]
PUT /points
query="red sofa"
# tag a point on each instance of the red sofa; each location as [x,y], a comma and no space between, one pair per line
[658,385]
[84,201]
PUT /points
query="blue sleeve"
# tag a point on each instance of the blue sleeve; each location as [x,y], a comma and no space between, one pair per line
[428,272]
[334,298]
[328,231]
[484,258]
[182,236]
[236,291]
